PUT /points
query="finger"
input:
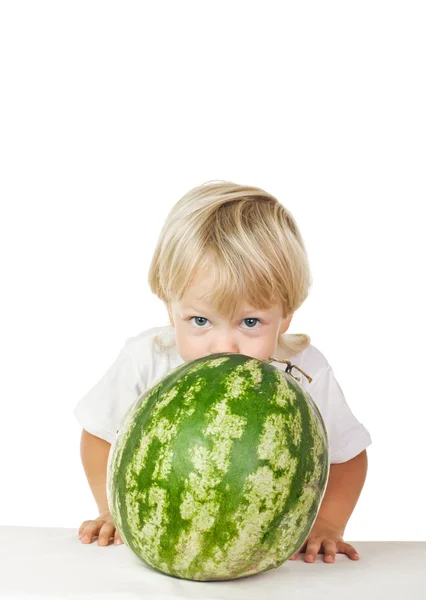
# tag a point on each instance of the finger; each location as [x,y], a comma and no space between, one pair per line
[312,549]
[87,532]
[301,549]
[82,528]
[106,533]
[92,528]
[345,548]
[117,538]
[330,549]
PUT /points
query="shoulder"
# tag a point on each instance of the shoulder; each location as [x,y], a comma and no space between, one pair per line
[149,340]
[312,361]
[312,358]
[154,352]
[158,340]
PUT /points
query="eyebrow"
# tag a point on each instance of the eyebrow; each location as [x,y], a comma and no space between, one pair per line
[249,310]
[195,309]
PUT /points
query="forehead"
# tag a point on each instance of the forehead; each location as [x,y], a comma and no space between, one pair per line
[202,286]
[203,306]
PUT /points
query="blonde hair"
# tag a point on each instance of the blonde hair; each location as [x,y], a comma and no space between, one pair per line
[251,240]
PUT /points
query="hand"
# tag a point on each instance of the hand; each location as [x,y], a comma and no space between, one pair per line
[103,526]
[326,536]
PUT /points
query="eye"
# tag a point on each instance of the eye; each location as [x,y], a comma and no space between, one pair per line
[201,326]
[252,319]
[201,318]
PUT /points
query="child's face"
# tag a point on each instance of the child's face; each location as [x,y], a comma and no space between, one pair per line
[253,333]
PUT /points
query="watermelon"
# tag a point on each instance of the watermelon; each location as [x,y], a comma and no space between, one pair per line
[219,469]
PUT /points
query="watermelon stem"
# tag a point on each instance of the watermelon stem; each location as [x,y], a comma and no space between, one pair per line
[289,367]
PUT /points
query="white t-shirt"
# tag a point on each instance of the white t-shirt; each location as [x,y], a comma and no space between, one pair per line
[151,355]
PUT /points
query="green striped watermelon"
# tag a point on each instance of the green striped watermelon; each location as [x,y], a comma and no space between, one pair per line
[219,469]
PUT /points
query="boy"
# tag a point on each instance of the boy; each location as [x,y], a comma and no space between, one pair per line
[232,257]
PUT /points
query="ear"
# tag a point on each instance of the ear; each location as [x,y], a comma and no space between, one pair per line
[285,324]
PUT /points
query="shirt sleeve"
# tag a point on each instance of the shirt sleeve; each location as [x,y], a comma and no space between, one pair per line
[102,409]
[347,436]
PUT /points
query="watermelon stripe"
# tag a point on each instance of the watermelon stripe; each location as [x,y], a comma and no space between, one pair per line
[201,502]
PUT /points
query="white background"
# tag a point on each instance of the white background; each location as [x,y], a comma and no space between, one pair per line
[110,112]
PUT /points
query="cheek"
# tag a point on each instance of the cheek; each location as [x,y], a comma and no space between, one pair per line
[261,347]
[193,346]
[187,345]
[261,351]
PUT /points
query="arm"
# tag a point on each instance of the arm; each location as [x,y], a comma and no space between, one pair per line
[344,486]
[94,455]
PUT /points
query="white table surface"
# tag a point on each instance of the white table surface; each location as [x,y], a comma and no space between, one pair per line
[37,562]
